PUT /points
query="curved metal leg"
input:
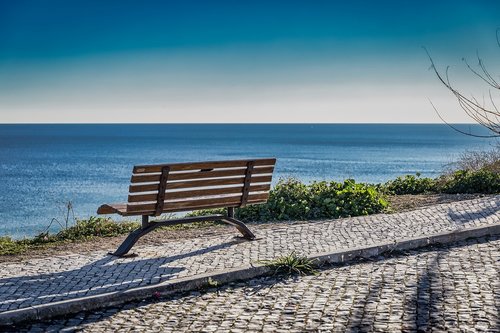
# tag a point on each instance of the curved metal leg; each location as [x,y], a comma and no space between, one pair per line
[240,226]
[147,227]
[132,238]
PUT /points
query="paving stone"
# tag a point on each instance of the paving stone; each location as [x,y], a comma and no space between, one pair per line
[312,303]
[389,295]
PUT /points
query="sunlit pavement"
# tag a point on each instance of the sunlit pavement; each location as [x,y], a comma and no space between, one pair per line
[45,280]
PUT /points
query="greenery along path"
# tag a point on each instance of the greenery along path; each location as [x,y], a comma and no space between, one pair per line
[290,199]
[103,234]
[45,280]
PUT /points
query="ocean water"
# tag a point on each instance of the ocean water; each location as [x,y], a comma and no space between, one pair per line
[42,167]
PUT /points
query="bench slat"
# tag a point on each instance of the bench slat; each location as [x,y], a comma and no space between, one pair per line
[198,183]
[195,186]
[145,178]
[197,193]
[196,204]
[184,187]
[202,165]
[112,209]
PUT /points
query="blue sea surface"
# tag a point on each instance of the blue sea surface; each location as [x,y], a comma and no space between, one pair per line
[42,167]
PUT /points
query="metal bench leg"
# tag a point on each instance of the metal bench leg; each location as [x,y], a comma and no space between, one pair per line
[147,227]
[238,224]
[134,236]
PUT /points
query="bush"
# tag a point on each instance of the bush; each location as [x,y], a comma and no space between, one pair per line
[410,184]
[10,246]
[465,181]
[479,160]
[96,227]
[292,200]
[476,172]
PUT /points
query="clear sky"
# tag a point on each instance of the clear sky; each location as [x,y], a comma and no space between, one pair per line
[239,61]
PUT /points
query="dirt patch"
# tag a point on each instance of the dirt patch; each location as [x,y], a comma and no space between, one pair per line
[399,203]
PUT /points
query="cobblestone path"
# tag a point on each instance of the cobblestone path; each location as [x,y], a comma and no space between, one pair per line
[44,280]
[449,289]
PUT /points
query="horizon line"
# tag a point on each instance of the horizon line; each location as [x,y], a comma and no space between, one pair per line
[234,123]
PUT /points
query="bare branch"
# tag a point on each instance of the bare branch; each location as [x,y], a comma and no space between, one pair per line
[486,76]
[458,130]
[478,112]
[494,105]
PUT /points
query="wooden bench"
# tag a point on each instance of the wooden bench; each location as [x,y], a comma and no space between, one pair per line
[181,187]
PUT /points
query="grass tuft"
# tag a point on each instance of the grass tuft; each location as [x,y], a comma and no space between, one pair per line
[292,264]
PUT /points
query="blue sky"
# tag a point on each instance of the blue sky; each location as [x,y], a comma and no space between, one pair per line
[236,61]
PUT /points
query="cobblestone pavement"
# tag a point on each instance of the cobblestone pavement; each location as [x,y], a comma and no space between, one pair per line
[453,289]
[44,280]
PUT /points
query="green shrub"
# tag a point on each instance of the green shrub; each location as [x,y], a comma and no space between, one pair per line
[292,200]
[465,181]
[287,200]
[410,184]
[479,160]
[96,227]
[10,246]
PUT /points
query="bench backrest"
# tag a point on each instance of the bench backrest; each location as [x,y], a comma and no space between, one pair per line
[164,188]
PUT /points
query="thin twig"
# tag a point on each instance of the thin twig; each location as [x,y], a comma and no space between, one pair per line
[471,106]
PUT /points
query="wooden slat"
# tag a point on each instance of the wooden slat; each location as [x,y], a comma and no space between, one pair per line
[198,183]
[112,209]
[149,212]
[197,204]
[197,193]
[237,204]
[201,165]
[144,178]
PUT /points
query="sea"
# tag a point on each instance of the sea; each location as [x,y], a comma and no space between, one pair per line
[45,167]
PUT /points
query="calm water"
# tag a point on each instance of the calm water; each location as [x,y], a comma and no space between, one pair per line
[43,166]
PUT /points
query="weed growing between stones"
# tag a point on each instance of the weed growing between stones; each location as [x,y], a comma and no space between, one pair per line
[292,264]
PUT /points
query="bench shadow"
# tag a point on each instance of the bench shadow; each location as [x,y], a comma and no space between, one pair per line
[105,275]
[459,218]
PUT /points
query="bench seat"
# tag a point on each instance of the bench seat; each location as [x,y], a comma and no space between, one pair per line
[182,187]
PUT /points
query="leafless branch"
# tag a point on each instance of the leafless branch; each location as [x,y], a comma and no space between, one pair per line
[485,76]
[478,112]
